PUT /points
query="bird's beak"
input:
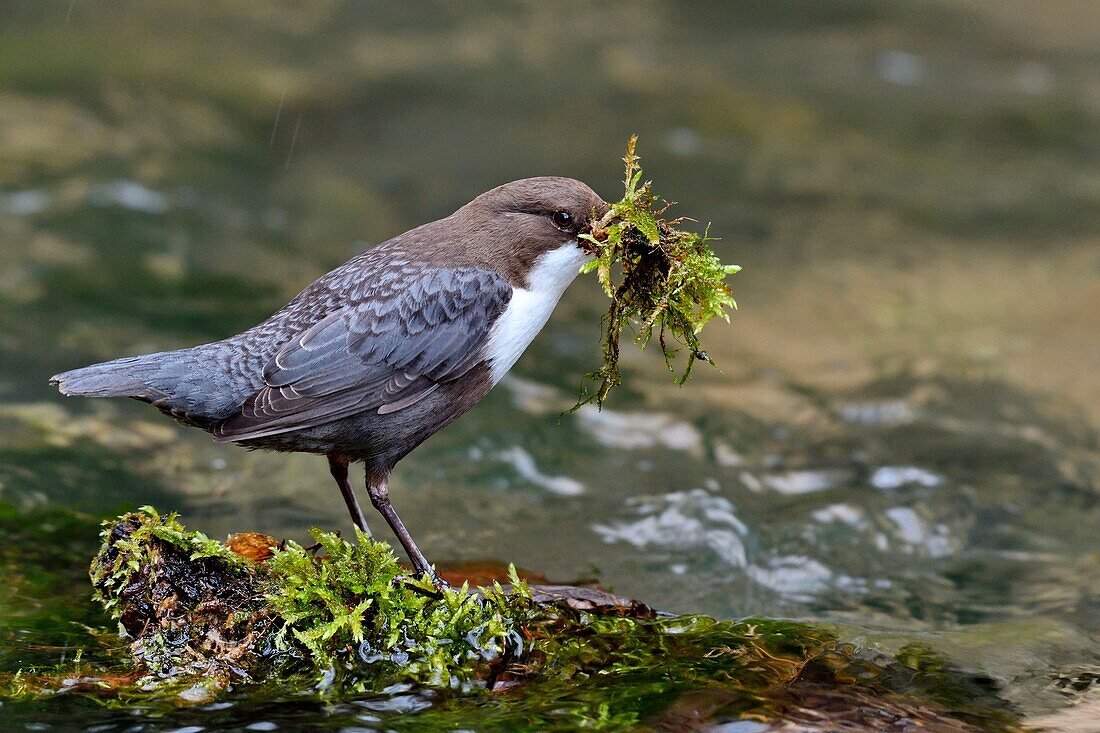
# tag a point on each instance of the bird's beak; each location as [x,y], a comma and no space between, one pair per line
[596,224]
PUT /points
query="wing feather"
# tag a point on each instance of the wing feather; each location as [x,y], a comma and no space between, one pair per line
[383,353]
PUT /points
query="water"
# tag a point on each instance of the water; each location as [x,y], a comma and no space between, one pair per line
[902,438]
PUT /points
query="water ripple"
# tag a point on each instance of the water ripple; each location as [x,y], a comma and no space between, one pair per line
[683,520]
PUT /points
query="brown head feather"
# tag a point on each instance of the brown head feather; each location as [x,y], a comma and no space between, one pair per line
[508,227]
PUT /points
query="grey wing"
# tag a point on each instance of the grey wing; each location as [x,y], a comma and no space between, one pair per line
[383,354]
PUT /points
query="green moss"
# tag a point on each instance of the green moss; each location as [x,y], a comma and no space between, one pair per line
[671,281]
[191,606]
[195,608]
[358,605]
[136,551]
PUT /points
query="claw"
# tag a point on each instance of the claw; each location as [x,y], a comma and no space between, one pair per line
[413,584]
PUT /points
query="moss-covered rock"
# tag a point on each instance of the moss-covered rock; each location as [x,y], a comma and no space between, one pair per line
[195,607]
[342,621]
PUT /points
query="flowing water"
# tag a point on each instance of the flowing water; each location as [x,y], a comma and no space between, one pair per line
[902,435]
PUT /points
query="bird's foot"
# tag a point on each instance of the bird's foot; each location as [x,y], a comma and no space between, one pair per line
[439,583]
[416,584]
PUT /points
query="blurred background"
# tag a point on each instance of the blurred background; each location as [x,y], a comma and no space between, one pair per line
[902,433]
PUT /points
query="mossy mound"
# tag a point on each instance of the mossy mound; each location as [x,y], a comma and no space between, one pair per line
[197,607]
[341,624]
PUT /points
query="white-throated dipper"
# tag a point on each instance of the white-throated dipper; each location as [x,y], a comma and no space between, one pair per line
[379,354]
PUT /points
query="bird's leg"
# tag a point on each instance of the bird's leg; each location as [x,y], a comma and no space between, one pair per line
[338,466]
[380,496]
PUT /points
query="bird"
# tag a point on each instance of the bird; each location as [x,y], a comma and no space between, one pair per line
[376,356]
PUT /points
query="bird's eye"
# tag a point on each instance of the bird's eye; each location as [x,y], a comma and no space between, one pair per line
[562,220]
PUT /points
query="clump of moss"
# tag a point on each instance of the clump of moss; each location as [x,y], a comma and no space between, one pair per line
[671,281]
[191,605]
[356,605]
[195,608]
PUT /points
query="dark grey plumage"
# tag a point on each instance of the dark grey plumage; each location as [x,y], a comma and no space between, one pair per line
[418,330]
[374,357]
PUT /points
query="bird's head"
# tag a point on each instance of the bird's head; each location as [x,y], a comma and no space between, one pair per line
[528,229]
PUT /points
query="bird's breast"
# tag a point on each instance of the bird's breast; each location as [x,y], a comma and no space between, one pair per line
[530,307]
[526,314]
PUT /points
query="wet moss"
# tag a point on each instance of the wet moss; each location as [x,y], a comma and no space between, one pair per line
[671,281]
[358,606]
[195,607]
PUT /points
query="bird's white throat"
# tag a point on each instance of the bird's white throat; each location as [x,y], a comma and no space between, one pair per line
[530,307]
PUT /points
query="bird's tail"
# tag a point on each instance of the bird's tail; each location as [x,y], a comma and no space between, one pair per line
[192,385]
[129,377]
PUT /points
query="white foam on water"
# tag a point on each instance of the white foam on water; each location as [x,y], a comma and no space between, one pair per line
[797,577]
[524,464]
[805,482]
[893,477]
[129,195]
[682,521]
[639,430]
